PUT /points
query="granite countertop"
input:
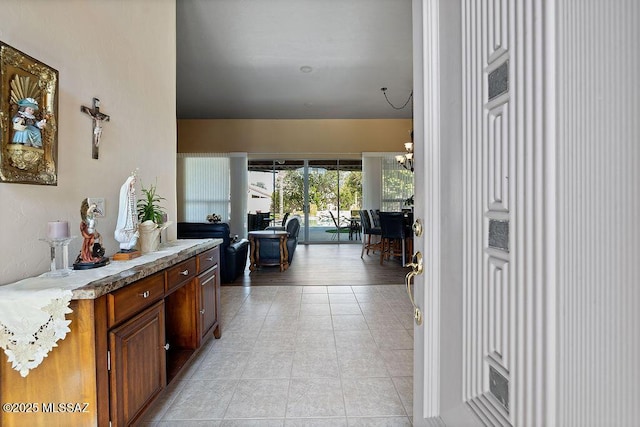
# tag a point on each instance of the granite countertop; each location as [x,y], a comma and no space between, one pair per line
[93,283]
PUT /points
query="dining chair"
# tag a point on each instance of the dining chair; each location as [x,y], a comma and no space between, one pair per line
[252,222]
[355,228]
[367,231]
[265,219]
[339,228]
[375,217]
[393,235]
[284,219]
[281,227]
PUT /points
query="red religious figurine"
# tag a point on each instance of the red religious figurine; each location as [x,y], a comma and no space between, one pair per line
[92,253]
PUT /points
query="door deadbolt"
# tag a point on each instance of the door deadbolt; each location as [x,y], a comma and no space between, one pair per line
[417,227]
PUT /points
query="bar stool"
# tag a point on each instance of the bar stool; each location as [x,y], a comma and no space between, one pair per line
[367,232]
[375,217]
[392,227]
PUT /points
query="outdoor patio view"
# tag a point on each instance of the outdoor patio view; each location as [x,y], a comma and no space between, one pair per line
[325,194]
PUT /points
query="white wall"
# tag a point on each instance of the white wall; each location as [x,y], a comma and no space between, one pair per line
[371,180]
[239,187]
[122,52]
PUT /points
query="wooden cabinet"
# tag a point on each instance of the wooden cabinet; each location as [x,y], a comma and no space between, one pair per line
[207,304]
[72,372]
[181,308]
[152,347]
[124,347]
[137,359]
[208,282]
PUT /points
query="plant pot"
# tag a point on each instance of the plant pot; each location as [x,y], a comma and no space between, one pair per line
[149,236]
[149,239]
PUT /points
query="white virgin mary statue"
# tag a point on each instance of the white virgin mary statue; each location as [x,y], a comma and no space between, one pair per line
[127,227]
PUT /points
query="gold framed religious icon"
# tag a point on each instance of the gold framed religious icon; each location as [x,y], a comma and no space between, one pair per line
[28,119]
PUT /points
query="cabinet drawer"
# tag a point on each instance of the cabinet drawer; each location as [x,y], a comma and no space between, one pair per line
[132,299]
[181,273]
[208,259]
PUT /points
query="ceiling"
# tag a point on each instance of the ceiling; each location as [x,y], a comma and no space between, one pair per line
[293,59]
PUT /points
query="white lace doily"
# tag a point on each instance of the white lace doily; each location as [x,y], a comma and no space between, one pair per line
[31,323]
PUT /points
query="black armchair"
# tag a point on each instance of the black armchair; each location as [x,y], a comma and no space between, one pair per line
[270,248]
[233,255]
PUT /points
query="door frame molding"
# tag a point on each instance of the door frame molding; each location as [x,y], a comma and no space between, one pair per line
[426,87]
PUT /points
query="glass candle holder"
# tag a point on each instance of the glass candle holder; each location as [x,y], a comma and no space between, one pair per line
[59,256]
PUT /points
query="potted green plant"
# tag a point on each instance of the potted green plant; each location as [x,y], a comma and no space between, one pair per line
[214,218]
[149,208]
[409,201]
[151,219]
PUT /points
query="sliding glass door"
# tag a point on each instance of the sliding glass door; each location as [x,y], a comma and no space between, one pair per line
[335,190]
[323,193]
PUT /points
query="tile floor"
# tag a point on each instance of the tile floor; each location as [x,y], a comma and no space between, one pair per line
[299,356]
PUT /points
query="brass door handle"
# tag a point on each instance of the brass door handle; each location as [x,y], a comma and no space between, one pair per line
[416,268]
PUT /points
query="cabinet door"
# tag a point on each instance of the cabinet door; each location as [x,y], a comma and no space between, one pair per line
[138,371]
[209,284]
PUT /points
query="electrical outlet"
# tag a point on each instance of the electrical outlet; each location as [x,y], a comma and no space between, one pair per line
[100,206]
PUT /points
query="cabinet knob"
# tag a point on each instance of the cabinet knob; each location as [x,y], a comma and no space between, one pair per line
[145,294]
[166,346]
[185,273]
[202,311]
[209,258]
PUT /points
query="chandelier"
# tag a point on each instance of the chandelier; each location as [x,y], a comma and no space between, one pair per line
[405,160]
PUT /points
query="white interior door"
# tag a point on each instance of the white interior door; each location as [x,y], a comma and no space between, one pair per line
[440,354]
[481,353]
[490,182]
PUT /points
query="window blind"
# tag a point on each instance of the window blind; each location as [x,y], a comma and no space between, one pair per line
[203,186]
[397,185]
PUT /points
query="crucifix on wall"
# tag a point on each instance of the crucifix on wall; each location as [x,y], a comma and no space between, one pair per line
[98,118]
